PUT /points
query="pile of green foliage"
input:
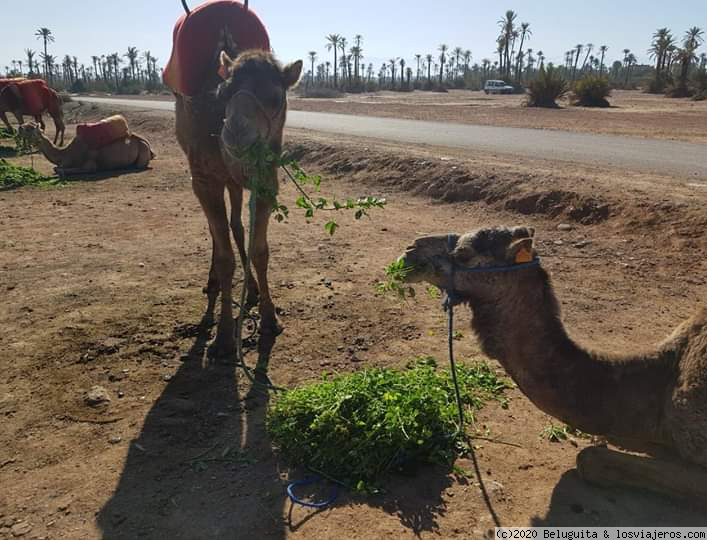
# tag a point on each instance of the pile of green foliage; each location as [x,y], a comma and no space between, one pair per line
[355,428]
[13,176]
[6,133]
[592,91]
[547,88]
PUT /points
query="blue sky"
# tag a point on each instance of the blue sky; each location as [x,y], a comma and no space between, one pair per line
[390,28]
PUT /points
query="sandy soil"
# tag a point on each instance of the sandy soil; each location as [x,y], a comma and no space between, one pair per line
[632,113]
[102,286]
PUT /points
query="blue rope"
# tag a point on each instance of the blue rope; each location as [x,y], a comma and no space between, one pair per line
[308,482]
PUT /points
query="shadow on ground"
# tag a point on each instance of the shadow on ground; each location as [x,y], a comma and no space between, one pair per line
[575,503]
[202,466]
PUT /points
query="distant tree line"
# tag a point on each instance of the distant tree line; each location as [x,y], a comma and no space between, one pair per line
[130,73]
[516,63]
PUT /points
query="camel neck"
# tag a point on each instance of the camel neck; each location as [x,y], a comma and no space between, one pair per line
[523,331]
[51,152]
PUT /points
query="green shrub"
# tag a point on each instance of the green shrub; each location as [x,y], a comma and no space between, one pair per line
[592,91]
[13,176]
[357,427]
[547,88]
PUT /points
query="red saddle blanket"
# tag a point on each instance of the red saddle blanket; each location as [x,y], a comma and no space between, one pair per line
[100,134]
[6,82]
[196,37]
[36,94]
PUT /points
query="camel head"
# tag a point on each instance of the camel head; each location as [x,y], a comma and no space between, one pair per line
[29,131]
[434,259]
[255,93]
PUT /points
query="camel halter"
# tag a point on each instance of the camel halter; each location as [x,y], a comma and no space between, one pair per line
[261,109]
[453,298]
[452,295]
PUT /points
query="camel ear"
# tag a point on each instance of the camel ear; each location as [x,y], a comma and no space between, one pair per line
[225,65]
[520,251]
[292,73]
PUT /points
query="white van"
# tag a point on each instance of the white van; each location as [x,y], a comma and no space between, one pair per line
[497,87]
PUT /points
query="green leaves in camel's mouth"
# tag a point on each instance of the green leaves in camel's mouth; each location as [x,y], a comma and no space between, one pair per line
[396,274]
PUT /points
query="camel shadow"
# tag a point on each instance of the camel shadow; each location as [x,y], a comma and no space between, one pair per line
[100,176]
[202,466]
[575,503]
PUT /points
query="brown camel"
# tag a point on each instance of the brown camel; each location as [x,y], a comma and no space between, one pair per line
[654,403]
[78,157]
[47,100]
[242,99]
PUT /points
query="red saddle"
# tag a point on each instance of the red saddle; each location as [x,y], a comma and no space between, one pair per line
[196,37]
[99,134]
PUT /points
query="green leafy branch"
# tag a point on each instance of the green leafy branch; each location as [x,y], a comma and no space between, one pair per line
[260,161]
[394,283]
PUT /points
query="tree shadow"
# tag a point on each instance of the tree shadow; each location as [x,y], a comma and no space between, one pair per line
[575,503]
[202,466]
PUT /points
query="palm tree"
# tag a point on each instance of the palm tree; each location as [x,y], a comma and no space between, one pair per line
[30,60]
[686,55]
[418,58]
[467,61]
[344,61]
[357,53]
[402,70]
[541,60]
[524,32]
[508,29]
[458,52]
[442,60]
[603,50]
[392,63]
[132,55]
[578,51]
[333,41]
[590,48]
[429,68]
[312,59]
[46,36]
[630,62]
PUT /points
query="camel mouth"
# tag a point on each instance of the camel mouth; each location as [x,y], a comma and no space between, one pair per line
[413,269]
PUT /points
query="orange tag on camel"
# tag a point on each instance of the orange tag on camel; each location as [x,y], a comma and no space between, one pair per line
[524,256]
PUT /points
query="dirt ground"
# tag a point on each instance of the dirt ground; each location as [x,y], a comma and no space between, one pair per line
[632,113]
[102,286]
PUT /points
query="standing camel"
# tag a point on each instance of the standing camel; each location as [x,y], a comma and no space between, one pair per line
[32,98]
[653,402]
[230,92]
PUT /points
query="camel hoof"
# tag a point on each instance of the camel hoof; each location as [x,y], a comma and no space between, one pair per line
[271,327]
[222,349]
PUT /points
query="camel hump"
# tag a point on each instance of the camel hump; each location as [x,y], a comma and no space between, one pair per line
[99,134]
[197,36]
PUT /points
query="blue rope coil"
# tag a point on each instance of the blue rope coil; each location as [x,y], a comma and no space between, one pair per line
[308,482]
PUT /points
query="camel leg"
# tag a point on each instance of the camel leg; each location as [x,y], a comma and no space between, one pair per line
[143,157]
[40,120]
[5,121]
[674,479]
[60,128]
[269,325]
[236,196]
[210,192]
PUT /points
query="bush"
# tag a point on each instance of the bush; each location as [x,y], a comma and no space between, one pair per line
[592,91]
[319,92]
[357,427]
[547,88]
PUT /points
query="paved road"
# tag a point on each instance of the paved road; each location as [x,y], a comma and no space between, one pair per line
[687,160]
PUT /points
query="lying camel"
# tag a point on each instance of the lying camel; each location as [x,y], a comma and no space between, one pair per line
[80,157]
[32,98]
[654,403]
